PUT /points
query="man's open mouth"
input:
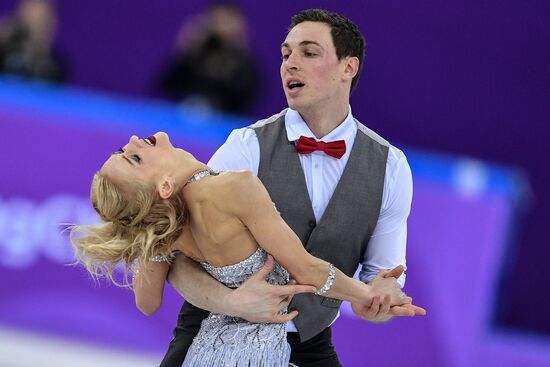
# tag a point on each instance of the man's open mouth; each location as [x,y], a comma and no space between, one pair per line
[295,84]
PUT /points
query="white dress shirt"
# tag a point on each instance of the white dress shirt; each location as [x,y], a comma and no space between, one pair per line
[386,248]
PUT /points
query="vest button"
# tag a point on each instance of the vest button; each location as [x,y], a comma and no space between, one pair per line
[312,223]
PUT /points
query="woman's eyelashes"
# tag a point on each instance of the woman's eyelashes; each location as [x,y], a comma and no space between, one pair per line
[136,158]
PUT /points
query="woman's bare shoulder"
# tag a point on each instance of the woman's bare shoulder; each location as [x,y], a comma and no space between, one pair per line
[237,180]
[237,187]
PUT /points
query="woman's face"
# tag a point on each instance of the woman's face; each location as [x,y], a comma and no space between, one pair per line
[143,161]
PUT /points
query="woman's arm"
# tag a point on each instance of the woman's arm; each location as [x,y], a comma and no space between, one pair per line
[148,286]
[251,203]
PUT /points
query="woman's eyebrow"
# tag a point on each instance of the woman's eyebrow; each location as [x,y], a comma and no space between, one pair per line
[127,159]
[123,156]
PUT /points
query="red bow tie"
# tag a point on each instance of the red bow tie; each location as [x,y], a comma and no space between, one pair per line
[335,149]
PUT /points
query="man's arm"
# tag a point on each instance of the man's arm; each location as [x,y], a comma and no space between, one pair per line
[255,300]
[388,243]
[387,246]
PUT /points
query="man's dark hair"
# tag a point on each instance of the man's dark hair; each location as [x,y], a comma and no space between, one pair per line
[346,37]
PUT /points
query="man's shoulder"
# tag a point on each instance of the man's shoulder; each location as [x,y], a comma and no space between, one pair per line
[395,155]
[371,134]
[269,120]
[245,135]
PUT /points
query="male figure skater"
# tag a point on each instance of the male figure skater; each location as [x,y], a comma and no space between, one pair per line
[343,189]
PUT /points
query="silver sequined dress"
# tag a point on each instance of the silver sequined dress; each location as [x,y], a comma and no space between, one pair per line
[234,342]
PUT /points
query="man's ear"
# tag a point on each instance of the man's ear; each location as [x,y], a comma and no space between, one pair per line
[351,67]
[166,187]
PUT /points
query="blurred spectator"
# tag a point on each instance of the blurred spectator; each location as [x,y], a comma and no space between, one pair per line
[211,66]
[26,43]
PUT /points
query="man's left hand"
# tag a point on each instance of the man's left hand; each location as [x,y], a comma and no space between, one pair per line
[380,310]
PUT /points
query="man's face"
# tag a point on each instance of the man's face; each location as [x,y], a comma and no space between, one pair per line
[311,73]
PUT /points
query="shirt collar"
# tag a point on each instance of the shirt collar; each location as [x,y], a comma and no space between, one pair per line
[296,127]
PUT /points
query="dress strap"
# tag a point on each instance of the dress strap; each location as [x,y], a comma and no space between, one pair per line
[202,174]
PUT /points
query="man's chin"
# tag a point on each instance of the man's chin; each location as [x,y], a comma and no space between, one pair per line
[294,104]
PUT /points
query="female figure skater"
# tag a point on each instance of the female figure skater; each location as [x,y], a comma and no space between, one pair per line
[148,195]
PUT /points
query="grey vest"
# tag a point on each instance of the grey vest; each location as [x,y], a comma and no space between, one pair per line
[344,231]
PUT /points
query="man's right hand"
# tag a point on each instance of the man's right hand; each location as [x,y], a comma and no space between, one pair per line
[258,301]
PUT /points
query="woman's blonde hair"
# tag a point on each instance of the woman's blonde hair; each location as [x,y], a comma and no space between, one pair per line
[137,226]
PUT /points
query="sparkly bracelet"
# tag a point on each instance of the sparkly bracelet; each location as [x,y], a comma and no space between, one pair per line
[330,280]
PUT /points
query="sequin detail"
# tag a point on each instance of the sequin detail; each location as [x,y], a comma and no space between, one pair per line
[202,174]
[234,342]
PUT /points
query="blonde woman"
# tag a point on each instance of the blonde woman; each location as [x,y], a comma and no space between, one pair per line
[155,199]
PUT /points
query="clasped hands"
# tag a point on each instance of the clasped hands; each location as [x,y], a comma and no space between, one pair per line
[258,301]
[390,302]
